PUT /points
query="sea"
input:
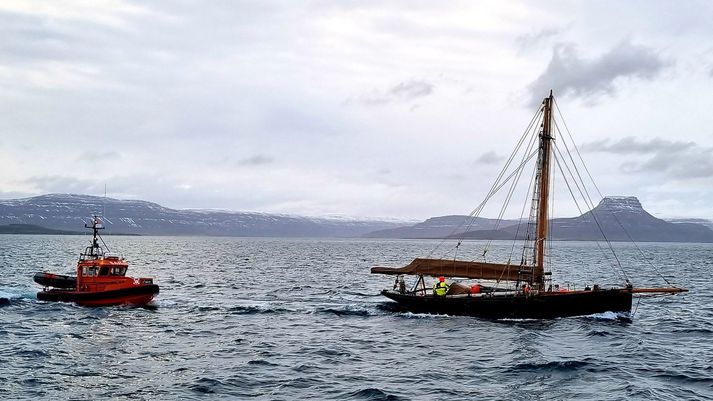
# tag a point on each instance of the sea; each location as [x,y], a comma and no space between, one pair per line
[286,319]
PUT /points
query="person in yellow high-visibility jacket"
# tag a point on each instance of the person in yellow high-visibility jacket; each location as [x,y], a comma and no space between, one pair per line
[440,288]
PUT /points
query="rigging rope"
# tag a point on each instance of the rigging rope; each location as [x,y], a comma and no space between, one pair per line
[490,195]
[611,248]
[522,213]
[475,212]
[574,144]
[511,192]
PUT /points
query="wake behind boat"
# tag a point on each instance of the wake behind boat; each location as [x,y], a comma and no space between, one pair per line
[101,279]
[522,289]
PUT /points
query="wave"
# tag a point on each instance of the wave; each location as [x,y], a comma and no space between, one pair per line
[517,320]
[597,333]
[9,295]
[411,315]
[208,308]
[603,316]
[346,310]
[257,309]
[683,378]
[206,385]
[611,316]
[551,366]
[305,367]
[373,394]
[696,330]
[261,362]
[361,294]
[399,311]
[164,303]
[33,353]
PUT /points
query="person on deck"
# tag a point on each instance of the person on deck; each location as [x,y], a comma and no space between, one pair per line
[440,288]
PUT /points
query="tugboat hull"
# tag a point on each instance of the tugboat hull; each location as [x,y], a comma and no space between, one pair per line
[541,306]
[136,296]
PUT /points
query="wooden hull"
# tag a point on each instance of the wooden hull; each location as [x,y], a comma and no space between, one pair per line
[136,295]
[541,306]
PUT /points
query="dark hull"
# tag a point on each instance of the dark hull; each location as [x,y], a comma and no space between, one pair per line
[135,295]
[541,306]
[55,280]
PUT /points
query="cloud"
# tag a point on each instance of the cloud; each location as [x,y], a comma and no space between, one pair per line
[96,156]
[241,104]
[404,91]
[489,158]
[63,184]
[411,89]
[532,39]
[113,13]
[630,145]
[256,160]
[569,74]
[674,159]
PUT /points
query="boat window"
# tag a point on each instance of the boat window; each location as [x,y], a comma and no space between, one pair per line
[92,271]
[104,271]
[118,271]
[84,271]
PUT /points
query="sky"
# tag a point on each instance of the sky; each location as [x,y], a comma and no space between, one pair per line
[403,109]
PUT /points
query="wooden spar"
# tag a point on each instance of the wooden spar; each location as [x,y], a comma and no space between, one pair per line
[544,192]
[668,290]
[458,268]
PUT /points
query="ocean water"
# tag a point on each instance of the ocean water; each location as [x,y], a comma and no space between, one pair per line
[283,319]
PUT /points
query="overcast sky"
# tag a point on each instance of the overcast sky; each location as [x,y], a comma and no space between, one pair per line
[400,109]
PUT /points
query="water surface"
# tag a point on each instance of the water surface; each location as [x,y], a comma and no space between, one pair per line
[282,319]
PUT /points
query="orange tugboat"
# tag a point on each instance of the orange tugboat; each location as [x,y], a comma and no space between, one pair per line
[101,279]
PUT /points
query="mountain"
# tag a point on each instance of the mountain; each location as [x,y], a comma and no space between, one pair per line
[440,227]
[33,229]
[621,218]
[703,222]
[69,212]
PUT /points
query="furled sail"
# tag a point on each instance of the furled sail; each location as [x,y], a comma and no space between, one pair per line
[460,268]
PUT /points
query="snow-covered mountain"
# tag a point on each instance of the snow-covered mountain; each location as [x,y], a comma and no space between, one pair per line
[621,218]
[71,211]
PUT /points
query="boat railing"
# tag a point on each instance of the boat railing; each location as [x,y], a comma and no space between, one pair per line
[420,291]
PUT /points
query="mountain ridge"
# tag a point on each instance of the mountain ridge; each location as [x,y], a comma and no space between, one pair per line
[71,211]
[621,218]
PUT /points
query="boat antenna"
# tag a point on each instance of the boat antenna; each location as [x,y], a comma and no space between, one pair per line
[104,203]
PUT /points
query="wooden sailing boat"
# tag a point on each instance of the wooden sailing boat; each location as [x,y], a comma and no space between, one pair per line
[526,295]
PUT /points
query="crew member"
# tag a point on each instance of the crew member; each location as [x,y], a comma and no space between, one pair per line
[440,288]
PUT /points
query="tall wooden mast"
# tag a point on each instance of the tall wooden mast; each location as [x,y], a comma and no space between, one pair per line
[544,193]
